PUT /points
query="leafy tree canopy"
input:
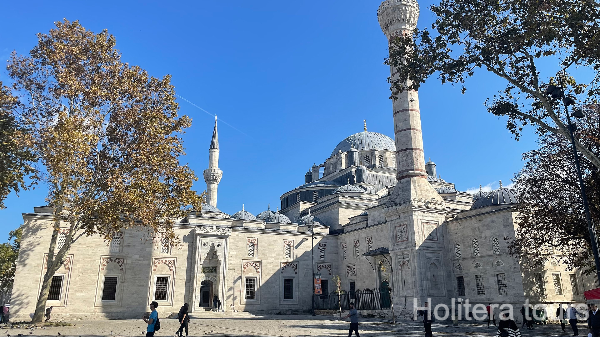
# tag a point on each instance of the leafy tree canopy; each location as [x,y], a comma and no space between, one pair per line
[108,136]
[552,224]
[8,260]
[509,38]
[16,160]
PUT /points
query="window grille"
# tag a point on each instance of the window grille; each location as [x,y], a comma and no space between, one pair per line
[352,290]
[110,288]
[288,249]
[62,239]
[367,160]
[501,279]
[557,284]
[55,288]
[475,247]
[496,246]
[250,288]
[457,252]
[315,195]
[162,287]
[381,162]
[574,285]
[288,289]
[115,243]
[252,243]
[165,246]
[460,285]
[480,285]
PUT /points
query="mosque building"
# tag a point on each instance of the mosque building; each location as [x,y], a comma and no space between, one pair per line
[378,217]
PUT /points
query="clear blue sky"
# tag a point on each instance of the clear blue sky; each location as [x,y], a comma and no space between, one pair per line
[292,78]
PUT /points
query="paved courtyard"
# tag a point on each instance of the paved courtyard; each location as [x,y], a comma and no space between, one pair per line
[242,324]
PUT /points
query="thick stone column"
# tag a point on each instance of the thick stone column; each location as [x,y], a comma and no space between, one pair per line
[398,17]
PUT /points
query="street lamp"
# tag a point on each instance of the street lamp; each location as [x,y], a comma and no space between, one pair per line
[556,92]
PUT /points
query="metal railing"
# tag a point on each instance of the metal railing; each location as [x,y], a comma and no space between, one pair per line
[367,299]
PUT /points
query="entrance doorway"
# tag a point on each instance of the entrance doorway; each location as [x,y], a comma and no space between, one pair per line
[206,294]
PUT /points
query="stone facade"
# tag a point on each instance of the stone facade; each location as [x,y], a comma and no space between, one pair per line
[382,221]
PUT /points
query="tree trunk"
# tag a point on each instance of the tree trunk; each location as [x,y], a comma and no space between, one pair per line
[51,267]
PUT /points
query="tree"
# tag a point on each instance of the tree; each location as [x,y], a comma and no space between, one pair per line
[509,38]
[552,225]
[8,262]
[108,136]
[16,160]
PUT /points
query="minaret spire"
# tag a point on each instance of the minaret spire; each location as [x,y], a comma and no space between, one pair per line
[213,175]
[396,18]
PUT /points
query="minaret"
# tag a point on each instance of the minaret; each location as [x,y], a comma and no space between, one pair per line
[399,17]
[213,175]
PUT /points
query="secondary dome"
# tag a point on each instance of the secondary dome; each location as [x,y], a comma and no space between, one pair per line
[366,140]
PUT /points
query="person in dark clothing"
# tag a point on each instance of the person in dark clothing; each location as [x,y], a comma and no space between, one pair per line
[215,303]
[48,313]
[427,319]
[2,314]
[490,314]
[183,319]
[573,320]
[561,315]
[353,314]
[507,327]
[594,321]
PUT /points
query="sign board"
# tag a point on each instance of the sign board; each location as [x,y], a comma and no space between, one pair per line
[318,289]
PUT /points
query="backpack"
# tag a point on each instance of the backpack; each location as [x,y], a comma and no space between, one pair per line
[157,325]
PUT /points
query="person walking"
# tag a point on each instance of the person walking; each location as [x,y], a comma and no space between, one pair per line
[215,303]
[152,319]
[561,315]
[6,313]
[48,312]
[573,320]
[353,314]
[507,327]
[183,320]
[490,314]
[427,319]
[594,321]
[1,314]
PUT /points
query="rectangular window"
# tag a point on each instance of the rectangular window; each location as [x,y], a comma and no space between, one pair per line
[165,246]
[110,288]
[325,288]
[288,289]
[62,239]
[162,288]
[55,288]
[250,288]
[496,246]
[539,282]
[574,285]
[460,285]
[557,284]
[352,290]
[115,243]
[501,279]
[479,284]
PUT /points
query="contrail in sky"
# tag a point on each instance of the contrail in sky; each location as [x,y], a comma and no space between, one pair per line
[231,126]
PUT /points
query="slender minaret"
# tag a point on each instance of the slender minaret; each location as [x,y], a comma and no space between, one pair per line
[213,175]
[398,17]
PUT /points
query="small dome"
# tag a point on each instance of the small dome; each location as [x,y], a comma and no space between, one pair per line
[365,140]
[446,190]
[273,217]
[309,219]
[349,189]
[501,196]
[206,208]
[243,215]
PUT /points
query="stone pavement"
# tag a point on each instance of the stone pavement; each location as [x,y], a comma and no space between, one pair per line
[243,324]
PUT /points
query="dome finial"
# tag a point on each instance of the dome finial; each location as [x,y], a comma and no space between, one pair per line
[365,124]
[480,189]
[268,207]
[500,183]
[242,207]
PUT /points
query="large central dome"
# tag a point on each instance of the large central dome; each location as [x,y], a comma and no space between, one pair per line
[366,140]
